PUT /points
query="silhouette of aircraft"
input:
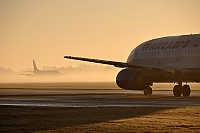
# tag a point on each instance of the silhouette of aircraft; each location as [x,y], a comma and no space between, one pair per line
[42,73]
[165,59]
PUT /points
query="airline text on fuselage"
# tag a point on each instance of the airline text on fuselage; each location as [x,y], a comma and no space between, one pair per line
[165,45]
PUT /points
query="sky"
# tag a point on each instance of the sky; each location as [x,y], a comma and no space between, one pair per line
[47,30]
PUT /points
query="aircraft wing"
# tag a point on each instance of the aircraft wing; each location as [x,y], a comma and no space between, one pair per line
[114,63]
[107,62]
[146,69]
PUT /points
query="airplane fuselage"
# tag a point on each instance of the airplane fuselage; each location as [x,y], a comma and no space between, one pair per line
[176,52]
[42,73]
[46,73]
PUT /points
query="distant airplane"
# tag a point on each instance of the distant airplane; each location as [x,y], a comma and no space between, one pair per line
[168,59]
[43,73]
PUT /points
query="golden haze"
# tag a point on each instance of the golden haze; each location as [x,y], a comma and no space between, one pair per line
[47,30]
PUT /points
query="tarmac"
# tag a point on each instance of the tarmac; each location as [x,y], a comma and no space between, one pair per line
[95,98]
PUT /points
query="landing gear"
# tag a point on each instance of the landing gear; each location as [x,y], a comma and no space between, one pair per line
[186,90]
[179,89]
[148,91]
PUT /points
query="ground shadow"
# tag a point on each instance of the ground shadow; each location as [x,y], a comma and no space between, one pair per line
[30,119]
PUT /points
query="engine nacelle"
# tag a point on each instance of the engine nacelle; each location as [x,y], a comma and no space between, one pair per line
[131,79]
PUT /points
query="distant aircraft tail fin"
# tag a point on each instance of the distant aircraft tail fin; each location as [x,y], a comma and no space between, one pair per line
[35,67]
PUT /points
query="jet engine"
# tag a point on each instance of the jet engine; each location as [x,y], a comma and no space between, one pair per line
[131,79]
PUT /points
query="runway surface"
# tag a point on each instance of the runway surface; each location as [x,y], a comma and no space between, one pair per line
[94,98]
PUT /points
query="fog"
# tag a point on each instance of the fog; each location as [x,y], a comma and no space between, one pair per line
[48,30]
[83,72]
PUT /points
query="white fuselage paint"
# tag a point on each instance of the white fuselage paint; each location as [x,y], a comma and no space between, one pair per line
[174,52]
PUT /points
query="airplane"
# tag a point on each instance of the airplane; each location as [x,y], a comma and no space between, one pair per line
[41,73]
[173,59]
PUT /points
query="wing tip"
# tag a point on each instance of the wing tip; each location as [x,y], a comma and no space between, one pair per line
[67,56]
